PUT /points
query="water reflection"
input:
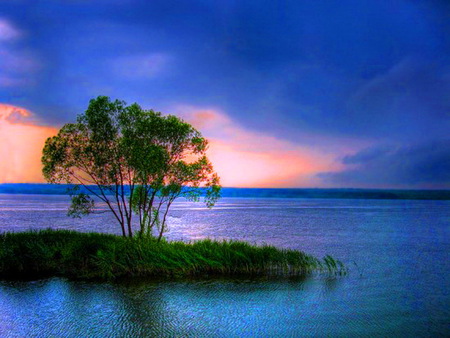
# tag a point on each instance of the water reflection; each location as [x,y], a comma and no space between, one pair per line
[222,308]
[150,308]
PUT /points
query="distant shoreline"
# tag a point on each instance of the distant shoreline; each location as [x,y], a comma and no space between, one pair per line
[333,193]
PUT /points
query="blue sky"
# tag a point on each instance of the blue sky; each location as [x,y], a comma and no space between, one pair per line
[365,84]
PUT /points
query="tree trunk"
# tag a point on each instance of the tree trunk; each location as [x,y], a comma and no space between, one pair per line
[130,231]
[163,224]
[123,229]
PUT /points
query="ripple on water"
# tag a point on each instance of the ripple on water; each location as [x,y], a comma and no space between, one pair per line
[397,252]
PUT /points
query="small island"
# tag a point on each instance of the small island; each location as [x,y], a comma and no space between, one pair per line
[76,255]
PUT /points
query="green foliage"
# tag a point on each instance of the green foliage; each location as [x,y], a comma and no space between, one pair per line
[140,161]
[81,205]
[103,256]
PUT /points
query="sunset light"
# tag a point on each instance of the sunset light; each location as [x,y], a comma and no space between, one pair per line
[244,158]
[21,143]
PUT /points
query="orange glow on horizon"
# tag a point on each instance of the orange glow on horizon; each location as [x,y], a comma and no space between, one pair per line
[241,157]
[21,143]
[244,158]
[257,169]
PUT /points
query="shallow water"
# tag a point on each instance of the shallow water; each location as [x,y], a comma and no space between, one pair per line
[397,252]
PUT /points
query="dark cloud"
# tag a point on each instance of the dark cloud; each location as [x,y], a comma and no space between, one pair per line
[367,155]
[409,101]
[423,165]
[302,61]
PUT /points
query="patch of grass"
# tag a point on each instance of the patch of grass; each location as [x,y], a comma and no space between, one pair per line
[78,255]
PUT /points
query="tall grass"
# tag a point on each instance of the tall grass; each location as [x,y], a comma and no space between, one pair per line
[102,256]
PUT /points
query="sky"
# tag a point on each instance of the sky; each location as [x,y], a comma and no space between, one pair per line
[347,93]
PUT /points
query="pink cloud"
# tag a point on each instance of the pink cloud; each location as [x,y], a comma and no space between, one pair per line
[245,158]
[242,157]
[21,143]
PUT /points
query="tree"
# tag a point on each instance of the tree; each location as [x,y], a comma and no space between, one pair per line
[136,161]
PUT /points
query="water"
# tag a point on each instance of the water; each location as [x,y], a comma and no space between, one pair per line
[397,252]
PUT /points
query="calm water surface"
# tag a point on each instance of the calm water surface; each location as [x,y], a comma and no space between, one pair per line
[397,252]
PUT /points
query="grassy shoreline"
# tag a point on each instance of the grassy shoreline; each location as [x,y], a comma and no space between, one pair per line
[76,255]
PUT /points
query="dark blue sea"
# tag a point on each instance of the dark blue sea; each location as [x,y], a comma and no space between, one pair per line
[397,252]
